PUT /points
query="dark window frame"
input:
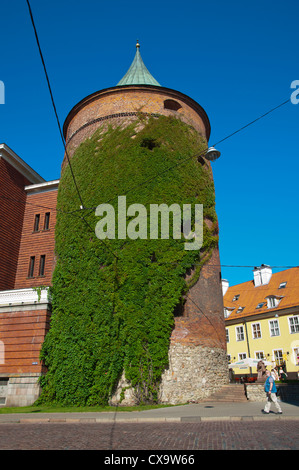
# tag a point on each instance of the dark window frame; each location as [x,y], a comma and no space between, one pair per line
[42,265]
[47,221]
[36,223]
[31,267]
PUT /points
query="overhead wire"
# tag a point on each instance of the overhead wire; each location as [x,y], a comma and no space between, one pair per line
[52,100]
[82,207]
[58,123]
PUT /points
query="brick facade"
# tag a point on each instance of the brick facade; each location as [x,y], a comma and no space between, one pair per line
[37,241]
[23,332]
[12,199]
[24,318]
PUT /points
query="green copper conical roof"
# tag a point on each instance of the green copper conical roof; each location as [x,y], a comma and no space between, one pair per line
[138,73]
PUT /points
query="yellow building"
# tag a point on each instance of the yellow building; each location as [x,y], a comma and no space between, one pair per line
[262,320]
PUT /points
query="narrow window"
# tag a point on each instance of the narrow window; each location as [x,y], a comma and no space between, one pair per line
[36,223]
[31,266]
[256,331]
[227,335]
[294,324]
[239,333]
[274,328]
[47,221]
[278,356]
[42,263]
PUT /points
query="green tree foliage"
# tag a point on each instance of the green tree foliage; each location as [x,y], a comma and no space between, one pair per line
[114,300]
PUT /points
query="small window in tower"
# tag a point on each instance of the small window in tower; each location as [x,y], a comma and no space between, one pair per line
[42,263]
[47,221]
[36,223]
[31,266]
[172,105]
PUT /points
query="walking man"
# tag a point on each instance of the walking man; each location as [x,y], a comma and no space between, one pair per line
[270,389]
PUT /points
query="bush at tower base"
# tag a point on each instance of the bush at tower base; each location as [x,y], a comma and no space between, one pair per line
[114,300]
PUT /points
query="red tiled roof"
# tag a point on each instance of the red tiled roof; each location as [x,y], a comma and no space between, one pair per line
[250,296]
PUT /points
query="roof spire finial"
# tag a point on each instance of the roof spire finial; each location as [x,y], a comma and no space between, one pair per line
[138,73]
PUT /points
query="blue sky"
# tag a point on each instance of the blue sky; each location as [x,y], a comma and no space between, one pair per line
[236,59]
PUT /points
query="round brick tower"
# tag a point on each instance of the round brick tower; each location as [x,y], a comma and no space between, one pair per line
[197,353]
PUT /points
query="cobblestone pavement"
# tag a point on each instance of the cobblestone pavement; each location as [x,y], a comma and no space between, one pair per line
[214,435]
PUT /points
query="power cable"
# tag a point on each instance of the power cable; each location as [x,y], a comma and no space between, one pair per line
[252,122]
[58,122]
[202,154]
[52,100]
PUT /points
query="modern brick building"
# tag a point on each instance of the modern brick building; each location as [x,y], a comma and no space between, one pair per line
[27,223]
[197,354]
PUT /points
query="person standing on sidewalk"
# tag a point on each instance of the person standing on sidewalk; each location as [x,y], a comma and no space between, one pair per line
[270,389]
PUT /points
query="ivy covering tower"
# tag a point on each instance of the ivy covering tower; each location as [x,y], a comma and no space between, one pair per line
[134,319]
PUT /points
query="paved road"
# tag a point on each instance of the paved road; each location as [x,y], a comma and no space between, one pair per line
[188,428]
[213,435]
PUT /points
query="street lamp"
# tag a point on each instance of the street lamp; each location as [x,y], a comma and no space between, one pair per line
[212,154]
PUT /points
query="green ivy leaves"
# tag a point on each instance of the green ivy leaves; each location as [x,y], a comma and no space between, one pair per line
[114,313]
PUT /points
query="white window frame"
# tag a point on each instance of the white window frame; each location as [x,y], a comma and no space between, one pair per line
[280,358]
[259,353]
[260,330]
[273,301]
[295,318]
[240,333]
[296,355]
[272,321]
[242,356]
[227,334]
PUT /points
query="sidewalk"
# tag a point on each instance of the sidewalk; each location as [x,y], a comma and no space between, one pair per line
[205,411]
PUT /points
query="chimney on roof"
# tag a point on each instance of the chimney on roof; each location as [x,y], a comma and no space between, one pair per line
[262,275]
[225,286]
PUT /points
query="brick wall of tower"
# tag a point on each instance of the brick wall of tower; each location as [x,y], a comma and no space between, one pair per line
[12,206]
[197,352]
[39,242]
[120,105]
[202,320]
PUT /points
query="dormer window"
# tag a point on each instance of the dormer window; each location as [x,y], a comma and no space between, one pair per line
[260,305]
[240,309]
[227,311]
[236,297]
[282,285]
[273,301]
